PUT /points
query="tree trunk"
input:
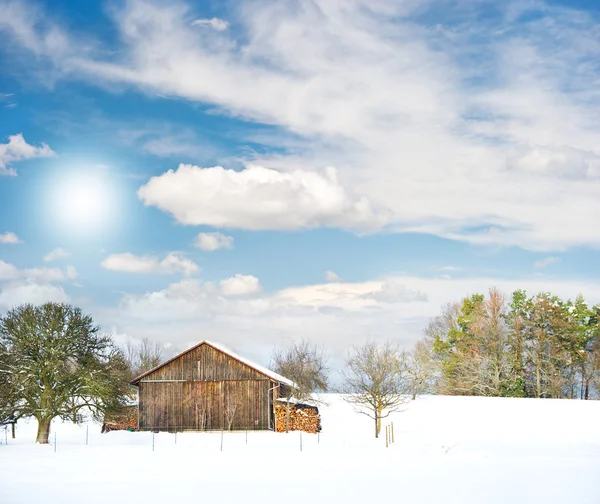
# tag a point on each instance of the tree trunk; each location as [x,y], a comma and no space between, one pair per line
[538,378]
[376,425]
[43,430]
[414,395]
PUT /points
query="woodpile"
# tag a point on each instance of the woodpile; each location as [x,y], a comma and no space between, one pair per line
[302,418]
[125,419]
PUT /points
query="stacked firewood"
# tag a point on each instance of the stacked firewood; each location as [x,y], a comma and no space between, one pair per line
[125,419]
[302,418]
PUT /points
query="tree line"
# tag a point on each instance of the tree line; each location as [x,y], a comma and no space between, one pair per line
[522,346]
[54,361]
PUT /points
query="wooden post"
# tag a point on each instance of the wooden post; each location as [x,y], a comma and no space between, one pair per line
[13,430]
[387,436]
[393,432]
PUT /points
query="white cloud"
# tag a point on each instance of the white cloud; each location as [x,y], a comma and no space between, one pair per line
[335,315]
[466,129]
[332,276]
[45,275]
[239,285]
[17,149]
[32,285]
[17,293]
[213,241]
[544,263]
[9,238]
[130,263]
[8,271]
[214,23]
[56,255]
[257,198]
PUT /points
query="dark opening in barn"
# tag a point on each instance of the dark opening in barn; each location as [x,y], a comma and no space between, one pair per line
[207,387]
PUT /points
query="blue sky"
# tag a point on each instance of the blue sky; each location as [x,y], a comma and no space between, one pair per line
[254,172]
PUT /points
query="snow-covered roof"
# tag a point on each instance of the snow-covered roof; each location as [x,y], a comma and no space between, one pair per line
[218,346]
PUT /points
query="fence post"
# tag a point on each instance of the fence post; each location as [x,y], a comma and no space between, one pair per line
[393,432]
[386,436]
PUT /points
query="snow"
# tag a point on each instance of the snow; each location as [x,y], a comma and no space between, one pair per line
[447,449]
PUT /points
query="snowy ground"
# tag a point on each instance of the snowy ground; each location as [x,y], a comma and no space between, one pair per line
[447,449]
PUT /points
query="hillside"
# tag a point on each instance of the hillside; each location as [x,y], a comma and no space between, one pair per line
[447,449]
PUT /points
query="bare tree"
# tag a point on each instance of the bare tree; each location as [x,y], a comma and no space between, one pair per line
[232,405]
[306,366]
[376,379]
[421,368]
[143,356]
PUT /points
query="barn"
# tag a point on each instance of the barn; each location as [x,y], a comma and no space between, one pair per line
[208,387]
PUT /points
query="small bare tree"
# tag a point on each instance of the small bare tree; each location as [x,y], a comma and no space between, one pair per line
[376,379]
[306,366]
[232,405]
[420,368]
[143,356]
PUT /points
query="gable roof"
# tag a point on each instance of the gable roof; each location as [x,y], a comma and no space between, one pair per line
[221,348]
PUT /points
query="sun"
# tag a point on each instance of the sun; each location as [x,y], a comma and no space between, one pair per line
[84,202]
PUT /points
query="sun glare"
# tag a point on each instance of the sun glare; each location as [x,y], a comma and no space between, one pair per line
[84,202]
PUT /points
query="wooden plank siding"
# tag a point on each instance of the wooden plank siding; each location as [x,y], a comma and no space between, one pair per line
[193,391]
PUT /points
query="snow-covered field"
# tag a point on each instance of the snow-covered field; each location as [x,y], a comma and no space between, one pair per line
[447,450]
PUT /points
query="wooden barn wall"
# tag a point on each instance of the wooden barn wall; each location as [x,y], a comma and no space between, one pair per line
[207,364]
[204,405]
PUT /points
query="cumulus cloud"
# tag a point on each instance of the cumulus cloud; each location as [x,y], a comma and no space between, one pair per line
[32,285]
[9,238]
[46,275]
[214,23]
[257,198]
[544,263]
[213,241]
[56,254]
[239,285]
[131,263]
[14,294]
[17,149]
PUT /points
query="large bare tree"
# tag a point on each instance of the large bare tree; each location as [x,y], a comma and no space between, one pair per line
[305,365]
[376,380]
